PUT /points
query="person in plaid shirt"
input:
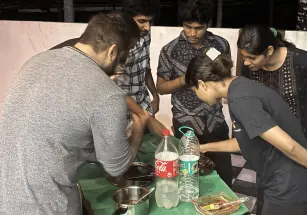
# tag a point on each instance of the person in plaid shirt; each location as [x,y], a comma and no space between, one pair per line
[136,79]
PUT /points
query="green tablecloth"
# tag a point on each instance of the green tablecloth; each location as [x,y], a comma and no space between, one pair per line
[99,192]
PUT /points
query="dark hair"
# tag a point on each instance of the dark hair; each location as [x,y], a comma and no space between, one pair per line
[70,42]
[205,69]
[133,31]
[103,30]
[256,39]
[140,7]
[197,11]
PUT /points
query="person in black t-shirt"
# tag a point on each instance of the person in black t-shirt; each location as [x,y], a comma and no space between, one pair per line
[278,64]
[267,133]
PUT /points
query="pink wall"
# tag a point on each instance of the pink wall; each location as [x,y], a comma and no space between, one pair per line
[21,40]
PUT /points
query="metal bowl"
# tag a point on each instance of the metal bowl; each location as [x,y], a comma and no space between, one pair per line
[125,198]
[139,174]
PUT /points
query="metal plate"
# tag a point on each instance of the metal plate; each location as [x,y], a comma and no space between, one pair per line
[139,174]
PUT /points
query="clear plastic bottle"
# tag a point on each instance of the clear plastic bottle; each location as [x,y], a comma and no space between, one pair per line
[166,170]
[189,154]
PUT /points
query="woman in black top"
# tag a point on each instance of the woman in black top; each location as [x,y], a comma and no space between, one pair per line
[272,61]
[267,133]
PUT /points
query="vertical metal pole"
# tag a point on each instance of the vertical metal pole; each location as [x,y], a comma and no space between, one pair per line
[69,13]
[180,7]
[60,10]
[219,14]
[302,16]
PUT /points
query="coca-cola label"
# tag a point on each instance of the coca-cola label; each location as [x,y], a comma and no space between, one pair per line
[166,169]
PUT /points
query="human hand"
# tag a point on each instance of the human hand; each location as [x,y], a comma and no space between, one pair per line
[139,124]
[155,126]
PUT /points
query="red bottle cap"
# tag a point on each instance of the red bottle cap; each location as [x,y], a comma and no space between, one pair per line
[166,132]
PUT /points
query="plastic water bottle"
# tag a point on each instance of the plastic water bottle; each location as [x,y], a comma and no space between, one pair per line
[189,154]
[166,170]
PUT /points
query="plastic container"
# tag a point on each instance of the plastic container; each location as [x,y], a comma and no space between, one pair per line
[213,198]
[166,171]
[188,165]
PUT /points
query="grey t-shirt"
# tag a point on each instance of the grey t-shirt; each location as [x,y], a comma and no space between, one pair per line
[61,108]
[254,109]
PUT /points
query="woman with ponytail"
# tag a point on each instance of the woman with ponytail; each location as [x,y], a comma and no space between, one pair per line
[267,133]
[278,64]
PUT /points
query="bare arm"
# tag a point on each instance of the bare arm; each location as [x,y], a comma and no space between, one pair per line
[152,88]
[169,87]
[135,107]
[282,141]
[112,149]
[139,123]
[231,145]
[150,83]
[153,124]
[165,73]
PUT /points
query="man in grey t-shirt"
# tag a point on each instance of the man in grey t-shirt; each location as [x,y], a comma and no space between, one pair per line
[61,105]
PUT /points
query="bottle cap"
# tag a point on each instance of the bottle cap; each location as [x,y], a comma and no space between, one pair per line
[166,132]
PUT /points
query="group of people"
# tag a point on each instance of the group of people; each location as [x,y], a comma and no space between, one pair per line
[73,103]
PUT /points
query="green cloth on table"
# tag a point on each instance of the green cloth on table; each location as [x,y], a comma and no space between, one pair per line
[148,147]
[98,191]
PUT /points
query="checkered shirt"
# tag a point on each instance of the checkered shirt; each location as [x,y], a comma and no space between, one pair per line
[132,79]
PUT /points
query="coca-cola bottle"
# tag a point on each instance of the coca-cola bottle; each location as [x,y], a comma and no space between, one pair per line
[166,170]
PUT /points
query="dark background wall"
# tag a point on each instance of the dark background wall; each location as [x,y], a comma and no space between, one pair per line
[281,14]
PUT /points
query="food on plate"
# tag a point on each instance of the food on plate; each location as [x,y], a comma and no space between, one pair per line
[218,202]
[220,198]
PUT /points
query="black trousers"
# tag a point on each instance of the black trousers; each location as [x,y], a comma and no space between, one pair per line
[222,161]
[270,208]
[266,207]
